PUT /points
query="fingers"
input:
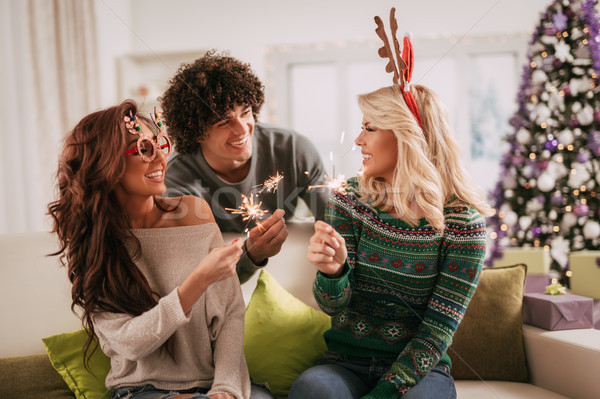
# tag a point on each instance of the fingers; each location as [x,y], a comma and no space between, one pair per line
[318,258]
[238,242]
[267,244]
[321,226]
[270,221]
[332,239]
[271,232]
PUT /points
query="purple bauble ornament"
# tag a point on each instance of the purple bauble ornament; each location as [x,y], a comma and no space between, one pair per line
[550,31]
[569,13]
[557,199]
[557,63]
[597,116]
[567,90]
[582,157]
[573,122]
[541,199]
[516,121]
[551,145]
[560,21]
[536,231]
[518,160]
[542,164]
[594,142]
[581,210]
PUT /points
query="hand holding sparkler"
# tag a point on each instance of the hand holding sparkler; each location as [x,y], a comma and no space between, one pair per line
[218,265]
[266,239]
[327,250]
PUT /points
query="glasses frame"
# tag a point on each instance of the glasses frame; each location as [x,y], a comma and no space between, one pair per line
[134,127]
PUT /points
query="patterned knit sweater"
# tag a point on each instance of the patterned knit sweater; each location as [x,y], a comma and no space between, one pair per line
[404,289]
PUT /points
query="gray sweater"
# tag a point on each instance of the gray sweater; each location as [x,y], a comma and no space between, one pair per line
[274,150]
[207,341]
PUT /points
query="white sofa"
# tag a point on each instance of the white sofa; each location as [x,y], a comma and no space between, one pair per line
[35,303]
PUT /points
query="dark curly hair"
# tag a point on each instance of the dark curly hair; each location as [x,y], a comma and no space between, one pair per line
[203,93]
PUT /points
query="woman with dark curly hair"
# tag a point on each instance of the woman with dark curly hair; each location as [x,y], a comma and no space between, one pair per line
[211,108]
[155,285]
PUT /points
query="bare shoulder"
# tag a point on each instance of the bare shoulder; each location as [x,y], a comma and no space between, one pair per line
[187,210]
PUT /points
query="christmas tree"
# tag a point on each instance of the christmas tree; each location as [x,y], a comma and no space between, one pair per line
[548,193]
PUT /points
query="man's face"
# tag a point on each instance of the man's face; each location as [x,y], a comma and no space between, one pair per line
[228,143]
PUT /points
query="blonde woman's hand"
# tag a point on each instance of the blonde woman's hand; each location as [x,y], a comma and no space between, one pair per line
[327,250]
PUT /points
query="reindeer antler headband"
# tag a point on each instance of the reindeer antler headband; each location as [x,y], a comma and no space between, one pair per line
[406,61]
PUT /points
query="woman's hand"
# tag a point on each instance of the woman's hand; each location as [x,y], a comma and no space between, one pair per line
[219,264]
[327,250]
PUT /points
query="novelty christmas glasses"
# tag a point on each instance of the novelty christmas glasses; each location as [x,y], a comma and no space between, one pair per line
[145,147]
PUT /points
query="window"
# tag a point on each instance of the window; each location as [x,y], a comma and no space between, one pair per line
[313,90]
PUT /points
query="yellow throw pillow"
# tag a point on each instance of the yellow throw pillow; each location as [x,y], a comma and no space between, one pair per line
[283,336]
[66,355]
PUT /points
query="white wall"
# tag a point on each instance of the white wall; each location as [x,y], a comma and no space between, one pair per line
[246,28]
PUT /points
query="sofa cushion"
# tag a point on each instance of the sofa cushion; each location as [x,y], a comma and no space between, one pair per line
[31,377]
[283,336]
[489,341]
[65,352]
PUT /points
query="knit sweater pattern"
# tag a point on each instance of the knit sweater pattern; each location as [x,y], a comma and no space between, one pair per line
[404,289]
[206,343]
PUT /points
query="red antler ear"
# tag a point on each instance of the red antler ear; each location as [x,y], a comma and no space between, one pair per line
[409,57]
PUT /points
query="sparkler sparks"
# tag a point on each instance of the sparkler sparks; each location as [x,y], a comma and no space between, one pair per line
[335,183]
[249,209]
[270,185]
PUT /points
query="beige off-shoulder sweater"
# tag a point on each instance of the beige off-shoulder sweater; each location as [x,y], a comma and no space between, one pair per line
[207,342]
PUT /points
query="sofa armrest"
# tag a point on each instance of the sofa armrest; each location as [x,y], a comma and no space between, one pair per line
[565,361]
[32,376]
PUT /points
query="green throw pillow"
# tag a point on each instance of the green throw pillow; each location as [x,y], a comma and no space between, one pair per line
[66,355]
[283,336]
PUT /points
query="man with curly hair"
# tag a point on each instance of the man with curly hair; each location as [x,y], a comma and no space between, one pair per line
[210,109]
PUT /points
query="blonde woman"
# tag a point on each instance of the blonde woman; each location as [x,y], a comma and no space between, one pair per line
[401,257]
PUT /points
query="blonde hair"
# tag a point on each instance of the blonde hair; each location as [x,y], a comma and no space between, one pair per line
[429,174]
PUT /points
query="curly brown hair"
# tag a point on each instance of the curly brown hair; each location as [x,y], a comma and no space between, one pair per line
[203,93]
[92,227]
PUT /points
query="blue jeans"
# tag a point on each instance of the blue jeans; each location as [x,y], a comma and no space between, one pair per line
[339,376]
[149,392]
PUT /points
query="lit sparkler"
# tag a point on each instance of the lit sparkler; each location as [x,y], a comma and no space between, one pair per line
[335,183]
[270,185]
[249,209]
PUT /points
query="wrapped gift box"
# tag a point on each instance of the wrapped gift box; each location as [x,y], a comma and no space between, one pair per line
[537,283]
[585,273]
[537,259]
[558,312]
[597,314]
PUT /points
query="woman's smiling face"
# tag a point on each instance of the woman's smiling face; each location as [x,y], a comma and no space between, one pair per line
[379,149]
[142,178]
